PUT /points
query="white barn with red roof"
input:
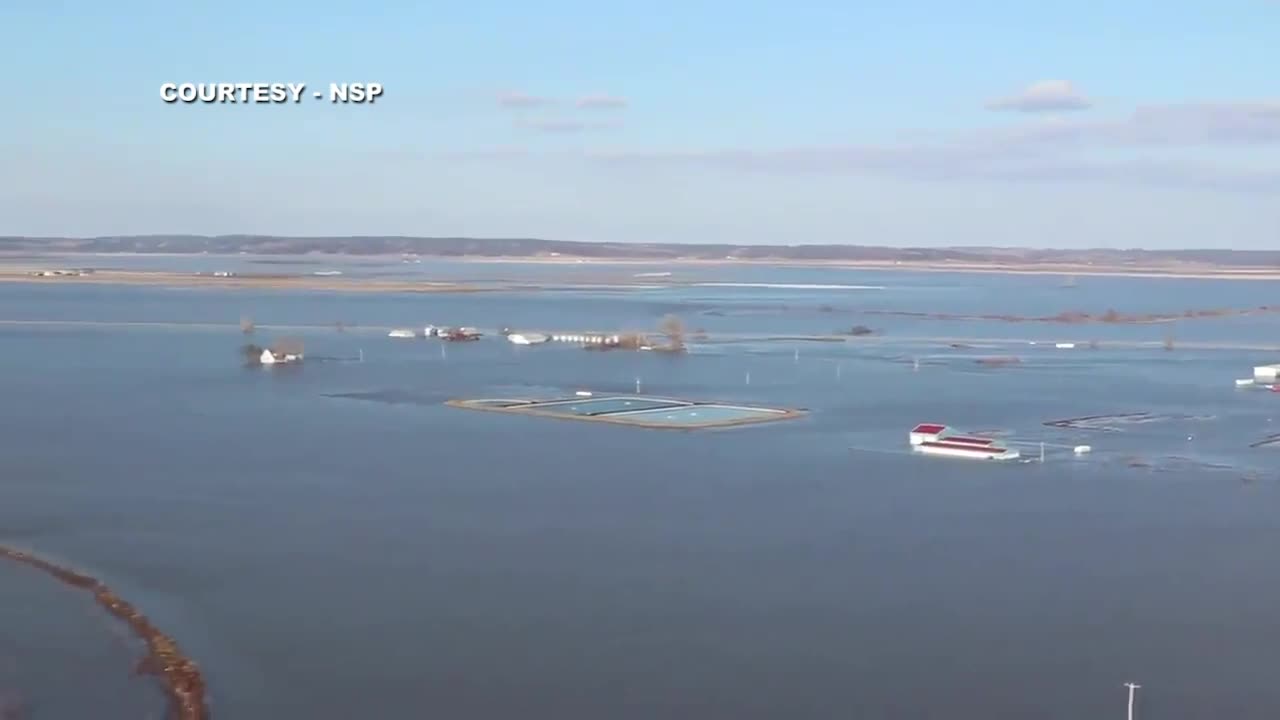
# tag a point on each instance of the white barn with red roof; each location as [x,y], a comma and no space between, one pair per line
[938,439]
[924,432]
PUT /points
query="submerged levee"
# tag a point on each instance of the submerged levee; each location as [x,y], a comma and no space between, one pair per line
[183,683]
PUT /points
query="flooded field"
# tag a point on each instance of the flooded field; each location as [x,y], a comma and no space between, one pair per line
[335,526]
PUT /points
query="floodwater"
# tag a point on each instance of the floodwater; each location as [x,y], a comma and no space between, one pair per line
[325,556]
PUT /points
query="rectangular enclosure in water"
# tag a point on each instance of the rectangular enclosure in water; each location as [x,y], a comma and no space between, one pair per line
[707,414]
[607,405]
[659,413]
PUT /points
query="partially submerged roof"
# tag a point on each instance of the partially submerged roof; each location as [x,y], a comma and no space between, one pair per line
[964,440]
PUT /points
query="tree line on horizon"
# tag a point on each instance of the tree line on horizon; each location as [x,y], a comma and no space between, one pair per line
[536,247]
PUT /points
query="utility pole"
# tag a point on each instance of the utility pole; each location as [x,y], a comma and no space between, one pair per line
[1131,687]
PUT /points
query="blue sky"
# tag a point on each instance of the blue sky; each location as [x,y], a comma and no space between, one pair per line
[1138,123]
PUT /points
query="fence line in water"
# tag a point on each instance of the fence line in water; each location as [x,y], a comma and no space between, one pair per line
[183,683]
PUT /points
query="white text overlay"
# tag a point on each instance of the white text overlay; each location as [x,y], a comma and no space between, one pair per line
[258,93]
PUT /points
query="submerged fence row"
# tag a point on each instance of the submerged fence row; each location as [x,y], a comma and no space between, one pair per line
[183,683]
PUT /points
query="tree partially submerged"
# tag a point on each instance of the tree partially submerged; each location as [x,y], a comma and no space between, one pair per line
[287,346]
[673,327]
[246,325]
[281,348]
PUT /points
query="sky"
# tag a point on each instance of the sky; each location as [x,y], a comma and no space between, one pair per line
[1132,123]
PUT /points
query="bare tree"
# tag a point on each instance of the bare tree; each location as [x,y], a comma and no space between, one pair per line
[287,346]
[251,351]
[673,328]
[246,325]
[632,341]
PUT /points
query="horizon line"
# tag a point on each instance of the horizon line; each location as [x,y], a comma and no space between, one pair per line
[616,243]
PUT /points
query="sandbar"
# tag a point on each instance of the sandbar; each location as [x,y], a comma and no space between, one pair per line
[245,282]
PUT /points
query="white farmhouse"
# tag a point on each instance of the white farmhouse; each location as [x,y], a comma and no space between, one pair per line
[1266,374]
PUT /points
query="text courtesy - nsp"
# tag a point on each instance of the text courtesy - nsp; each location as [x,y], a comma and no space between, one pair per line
[266,93]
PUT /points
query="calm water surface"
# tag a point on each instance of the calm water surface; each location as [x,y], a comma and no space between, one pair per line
[327,557]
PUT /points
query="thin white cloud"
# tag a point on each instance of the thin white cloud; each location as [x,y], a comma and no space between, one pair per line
[501,152]
[1044,96]
[516,99]
[567,125]
[1151,174]
[1168,125]
[957,164]
[601,102]
[1058,150]
[1047,150]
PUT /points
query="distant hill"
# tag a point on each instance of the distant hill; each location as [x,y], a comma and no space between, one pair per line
[534,248]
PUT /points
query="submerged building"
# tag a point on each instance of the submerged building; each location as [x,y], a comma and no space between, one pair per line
[268,357]
[936,439]
[588,338]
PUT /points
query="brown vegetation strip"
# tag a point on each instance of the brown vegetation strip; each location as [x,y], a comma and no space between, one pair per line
[181,677]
